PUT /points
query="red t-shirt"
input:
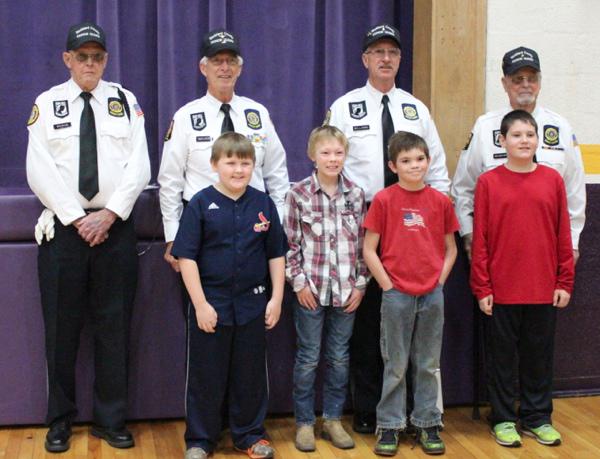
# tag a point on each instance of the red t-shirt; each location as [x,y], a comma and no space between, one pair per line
[522,247]
[412,226]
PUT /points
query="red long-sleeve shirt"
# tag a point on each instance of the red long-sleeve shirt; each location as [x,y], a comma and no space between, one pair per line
[522,247]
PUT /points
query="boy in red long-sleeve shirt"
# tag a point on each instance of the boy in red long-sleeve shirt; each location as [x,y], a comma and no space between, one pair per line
[522,270]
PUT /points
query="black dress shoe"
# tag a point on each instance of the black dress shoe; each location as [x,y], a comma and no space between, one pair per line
[364,422]
[120,438]
[58,436]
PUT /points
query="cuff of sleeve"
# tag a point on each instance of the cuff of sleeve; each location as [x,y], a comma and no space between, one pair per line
[466,225]
[566,288]
[361,283]
[482,294]
[68,219]
[170,228]
[122,211]
[299,282]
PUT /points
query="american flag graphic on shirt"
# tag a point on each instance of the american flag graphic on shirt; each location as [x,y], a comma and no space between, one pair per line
[413,219]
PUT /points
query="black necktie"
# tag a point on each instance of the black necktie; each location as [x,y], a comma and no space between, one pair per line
[88,153]
[387,128]
[227,125]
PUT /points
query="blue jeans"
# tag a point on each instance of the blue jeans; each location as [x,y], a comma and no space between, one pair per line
[411,327]
[311,325]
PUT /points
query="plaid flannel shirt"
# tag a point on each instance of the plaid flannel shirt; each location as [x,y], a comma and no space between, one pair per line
[325,236]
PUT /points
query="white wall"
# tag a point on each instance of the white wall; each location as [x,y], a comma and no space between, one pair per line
[566,35]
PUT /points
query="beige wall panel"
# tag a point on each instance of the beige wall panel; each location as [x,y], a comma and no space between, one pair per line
[454,88]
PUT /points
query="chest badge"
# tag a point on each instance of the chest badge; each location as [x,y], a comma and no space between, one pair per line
[358,110]
[263,225]
[253,118]
[550,135]
[410,112]
[61,108]
[496,137]
[115,107]
[198,121]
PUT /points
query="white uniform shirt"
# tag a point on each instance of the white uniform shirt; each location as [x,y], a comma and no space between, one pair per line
[557,149]
[185,166]
[53,151]
[358,115]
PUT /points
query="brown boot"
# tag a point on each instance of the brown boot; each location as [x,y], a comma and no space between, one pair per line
[334,431]
[305,438]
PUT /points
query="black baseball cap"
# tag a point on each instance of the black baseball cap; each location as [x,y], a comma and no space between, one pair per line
[85,32]
[518,58]
[380,32]
[219,40]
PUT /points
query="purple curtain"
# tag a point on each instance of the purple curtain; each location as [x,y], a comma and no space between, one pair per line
[299,56]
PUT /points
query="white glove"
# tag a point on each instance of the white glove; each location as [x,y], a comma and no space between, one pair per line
[44,226]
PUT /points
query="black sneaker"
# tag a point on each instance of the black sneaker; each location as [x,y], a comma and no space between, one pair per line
[430,441]
[387,442]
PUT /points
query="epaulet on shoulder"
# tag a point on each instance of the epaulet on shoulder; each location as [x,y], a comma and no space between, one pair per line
[555,115]
[247,101]
[406,93]
[115,85]
[190,104]
[51,91]
[491,115]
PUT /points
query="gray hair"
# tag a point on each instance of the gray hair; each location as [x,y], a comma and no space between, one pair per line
[204,60]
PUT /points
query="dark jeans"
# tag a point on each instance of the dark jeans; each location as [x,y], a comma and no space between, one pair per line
[523,333]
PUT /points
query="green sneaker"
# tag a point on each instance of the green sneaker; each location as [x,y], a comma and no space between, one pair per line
[387,442]
[506,434]
[545,434]
[430,441]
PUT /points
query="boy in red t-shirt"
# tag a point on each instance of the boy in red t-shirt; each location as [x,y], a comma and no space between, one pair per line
[414,226]
[522,270]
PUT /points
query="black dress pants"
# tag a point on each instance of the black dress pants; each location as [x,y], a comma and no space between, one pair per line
[366,365]
[523,334]
[77,280]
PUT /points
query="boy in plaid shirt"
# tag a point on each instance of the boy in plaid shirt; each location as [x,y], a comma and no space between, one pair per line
[323,223]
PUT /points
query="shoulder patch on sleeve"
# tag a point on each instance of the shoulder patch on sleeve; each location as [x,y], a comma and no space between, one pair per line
[468,141]
[138,110]
[169,132]
[35,114]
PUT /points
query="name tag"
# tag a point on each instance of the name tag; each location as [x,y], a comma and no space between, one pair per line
[62,125]
[500,155]
[203,138]
[546,147]
[361,128]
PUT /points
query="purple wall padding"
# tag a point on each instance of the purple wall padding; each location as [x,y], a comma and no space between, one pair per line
[157,359]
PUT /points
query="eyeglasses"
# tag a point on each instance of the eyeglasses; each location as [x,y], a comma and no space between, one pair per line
[519,80]
[380,53]
[82,58]
[219,61]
